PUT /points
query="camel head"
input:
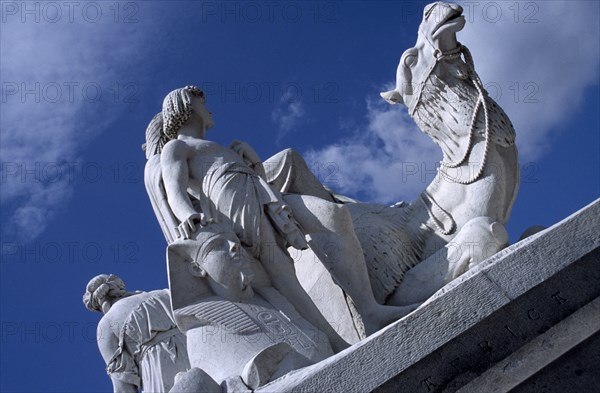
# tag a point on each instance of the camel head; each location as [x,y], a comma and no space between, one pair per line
[437,35]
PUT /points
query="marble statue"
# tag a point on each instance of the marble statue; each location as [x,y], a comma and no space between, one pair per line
[470,200]
[249,311]
[234,327]
[412,250]
[137,336]
[204,182]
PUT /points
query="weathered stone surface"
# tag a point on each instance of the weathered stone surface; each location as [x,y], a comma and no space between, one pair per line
[474,322]
[576,371]
[539,352]
[318,283]
[194,379]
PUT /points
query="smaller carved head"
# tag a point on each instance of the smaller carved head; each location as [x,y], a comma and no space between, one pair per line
[222,258]
[178,107]
[101,291]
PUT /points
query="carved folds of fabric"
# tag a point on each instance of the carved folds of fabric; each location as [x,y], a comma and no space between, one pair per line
[148,338]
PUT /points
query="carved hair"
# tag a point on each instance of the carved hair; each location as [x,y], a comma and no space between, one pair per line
[177,109]
[155,138]
[102,288]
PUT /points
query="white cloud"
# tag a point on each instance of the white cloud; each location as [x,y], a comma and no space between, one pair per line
[552,60]
[286,116]
[51,74]
[388,161]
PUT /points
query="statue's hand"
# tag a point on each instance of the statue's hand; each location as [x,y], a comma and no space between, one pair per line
[188,226]
[249,156]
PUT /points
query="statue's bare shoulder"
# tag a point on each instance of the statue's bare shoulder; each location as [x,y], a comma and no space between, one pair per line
[178,149]
[175,149]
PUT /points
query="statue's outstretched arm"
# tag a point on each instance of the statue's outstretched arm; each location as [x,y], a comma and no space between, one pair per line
[175,173]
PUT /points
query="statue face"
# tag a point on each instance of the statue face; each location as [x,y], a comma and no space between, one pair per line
[226,265]
[199,108]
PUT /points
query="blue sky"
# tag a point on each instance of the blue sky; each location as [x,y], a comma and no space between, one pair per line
[80,82]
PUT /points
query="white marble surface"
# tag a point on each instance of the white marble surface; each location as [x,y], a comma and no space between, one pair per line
[459,306]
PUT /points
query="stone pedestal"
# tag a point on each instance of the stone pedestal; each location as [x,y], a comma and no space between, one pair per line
[524,320]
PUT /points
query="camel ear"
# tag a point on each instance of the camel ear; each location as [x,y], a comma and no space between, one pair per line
[392,97]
